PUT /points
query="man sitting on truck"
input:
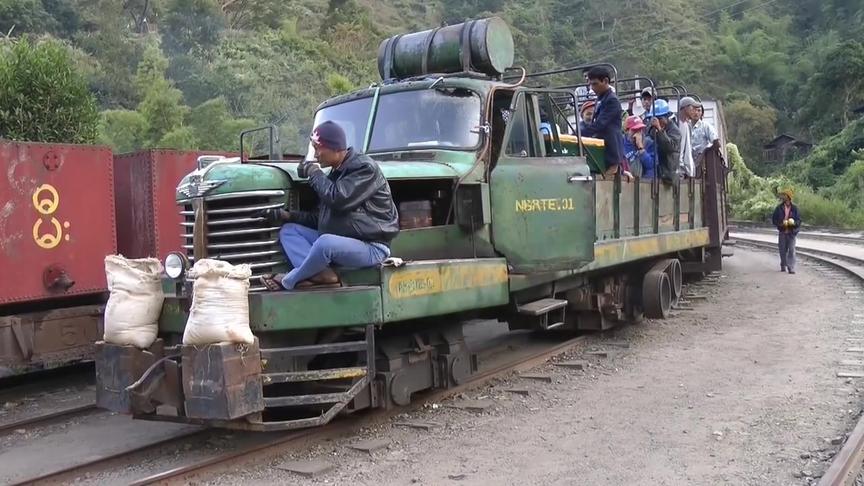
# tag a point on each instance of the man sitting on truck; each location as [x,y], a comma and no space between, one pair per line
[355,222]
[606,123]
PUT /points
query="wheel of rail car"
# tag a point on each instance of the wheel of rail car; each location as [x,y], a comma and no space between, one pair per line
[460,369]
[677,276]
[633,304]
[656,294]
[400,388]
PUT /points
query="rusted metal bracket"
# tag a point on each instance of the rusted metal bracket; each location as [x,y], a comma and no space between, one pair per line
[24,346]
[159,385]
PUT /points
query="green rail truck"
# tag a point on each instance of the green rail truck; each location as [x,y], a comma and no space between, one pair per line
[498,222]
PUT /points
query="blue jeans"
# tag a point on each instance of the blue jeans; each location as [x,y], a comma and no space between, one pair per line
[786,245]
[311,253]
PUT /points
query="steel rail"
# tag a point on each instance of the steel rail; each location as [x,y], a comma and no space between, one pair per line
[48,417]
[847,464]
[183,474]
[814,233]
[68,474]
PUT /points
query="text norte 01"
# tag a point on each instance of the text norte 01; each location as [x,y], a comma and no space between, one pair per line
[540,205]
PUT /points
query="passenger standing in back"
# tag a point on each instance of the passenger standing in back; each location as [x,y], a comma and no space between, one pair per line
[606,123]
[665,133]
[686,115]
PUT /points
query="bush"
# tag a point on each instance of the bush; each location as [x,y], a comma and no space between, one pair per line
[753,198]
[43,98]
[122,130]
[830,159]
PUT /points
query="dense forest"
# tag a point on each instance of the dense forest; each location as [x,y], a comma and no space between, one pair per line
[193,73]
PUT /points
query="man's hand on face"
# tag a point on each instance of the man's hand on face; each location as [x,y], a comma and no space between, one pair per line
[655,123]
[306,169]
[313,167]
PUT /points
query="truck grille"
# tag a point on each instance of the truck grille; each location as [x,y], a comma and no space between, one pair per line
[237,235]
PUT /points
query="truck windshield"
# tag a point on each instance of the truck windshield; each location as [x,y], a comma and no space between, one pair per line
[427,118]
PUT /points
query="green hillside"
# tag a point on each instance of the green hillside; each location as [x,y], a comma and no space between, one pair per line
[190,73]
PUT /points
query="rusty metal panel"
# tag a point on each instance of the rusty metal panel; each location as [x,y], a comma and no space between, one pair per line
[222,381]
[627,209]
[118,367]
[45,339]
[646,208]
[148,219]
[605,209]
[56,220]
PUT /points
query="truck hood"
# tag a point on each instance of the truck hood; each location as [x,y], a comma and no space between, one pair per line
[229,178]
[394,170]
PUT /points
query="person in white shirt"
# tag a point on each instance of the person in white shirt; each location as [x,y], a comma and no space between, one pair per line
[686,113]
[704,136]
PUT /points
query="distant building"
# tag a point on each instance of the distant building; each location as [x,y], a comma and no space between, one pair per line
[785,148]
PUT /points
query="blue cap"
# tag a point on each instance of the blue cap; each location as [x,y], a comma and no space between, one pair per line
[661,108]
[329,135]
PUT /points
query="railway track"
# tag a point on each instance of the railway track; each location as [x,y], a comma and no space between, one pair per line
[502,360]
[48,389]
[848,463]
[47,418]
[233,458]
[258,446]
[820,234]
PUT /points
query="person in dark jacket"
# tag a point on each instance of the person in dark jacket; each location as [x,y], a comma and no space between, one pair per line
[606,123]
[787,220]
[667,137]
[639,148]
[355,222]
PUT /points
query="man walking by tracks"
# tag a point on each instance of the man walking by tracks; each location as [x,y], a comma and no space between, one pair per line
[788,221]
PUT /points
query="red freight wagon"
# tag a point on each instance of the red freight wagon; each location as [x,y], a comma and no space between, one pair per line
[56,226]
[148,218]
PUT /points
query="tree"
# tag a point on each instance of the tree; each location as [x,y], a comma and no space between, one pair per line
[24,16]
[42,96]
[839,82]
[161,103]
[123,130]
[181,138]
[751,126]
[192,25]
[254,14]
[214,128]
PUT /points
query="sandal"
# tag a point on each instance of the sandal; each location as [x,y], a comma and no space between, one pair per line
[269,280]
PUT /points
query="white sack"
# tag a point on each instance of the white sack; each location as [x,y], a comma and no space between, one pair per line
[132,312]
[220,304]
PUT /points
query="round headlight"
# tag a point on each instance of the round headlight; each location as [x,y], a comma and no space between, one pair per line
[175,265]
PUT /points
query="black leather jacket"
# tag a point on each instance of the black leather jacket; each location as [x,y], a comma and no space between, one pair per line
[355,202]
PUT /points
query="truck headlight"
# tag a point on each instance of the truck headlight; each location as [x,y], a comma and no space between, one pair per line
[176,265]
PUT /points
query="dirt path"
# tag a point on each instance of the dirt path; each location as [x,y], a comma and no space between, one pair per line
[741,390]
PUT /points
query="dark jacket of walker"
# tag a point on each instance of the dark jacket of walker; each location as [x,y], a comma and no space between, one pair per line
[779,215]
[355,202]
[607,125]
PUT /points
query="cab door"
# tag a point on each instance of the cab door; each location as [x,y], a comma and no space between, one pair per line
[541,187]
